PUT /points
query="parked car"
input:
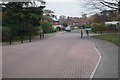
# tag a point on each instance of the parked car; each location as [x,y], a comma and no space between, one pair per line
[68,29]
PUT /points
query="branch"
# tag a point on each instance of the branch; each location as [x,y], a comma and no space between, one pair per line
[113,7]
[111,3]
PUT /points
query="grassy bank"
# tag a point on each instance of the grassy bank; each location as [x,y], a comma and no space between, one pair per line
[108,37]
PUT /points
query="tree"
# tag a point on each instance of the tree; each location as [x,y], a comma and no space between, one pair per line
[97,18]
[34,17]
[102,4]
[6,34]
[47,26]
[65,24]
[112,16]
[98,27]
[22,18]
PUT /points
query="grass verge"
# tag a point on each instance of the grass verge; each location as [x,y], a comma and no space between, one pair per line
[108,37]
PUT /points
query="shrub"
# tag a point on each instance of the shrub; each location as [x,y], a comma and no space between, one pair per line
[5,33]
[98,27]
[47,26]
[64,24]
[111,27]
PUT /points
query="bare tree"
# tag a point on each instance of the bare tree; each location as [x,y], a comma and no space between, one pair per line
[102,4]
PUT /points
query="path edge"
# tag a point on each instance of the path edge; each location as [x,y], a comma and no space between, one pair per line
[100,57]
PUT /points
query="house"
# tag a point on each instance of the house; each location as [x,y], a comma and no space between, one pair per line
[56,23]
[74,21]
[111,23]
[53,19]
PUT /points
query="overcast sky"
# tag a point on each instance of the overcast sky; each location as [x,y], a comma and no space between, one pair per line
[65,7]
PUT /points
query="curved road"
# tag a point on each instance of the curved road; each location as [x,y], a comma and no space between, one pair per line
[64,55]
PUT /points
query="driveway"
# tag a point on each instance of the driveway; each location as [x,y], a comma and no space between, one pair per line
[64,55]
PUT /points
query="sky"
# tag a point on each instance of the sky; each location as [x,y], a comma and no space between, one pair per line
[65,7]
[72,8]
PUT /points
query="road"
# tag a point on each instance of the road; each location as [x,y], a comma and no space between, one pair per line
[64,55]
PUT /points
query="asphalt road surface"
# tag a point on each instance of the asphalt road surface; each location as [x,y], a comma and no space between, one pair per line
[64,55]
[108,67]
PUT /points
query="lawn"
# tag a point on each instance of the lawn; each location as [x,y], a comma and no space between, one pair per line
[108,37]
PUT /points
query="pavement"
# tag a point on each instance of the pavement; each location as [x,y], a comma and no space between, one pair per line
[64,55]
[108,67]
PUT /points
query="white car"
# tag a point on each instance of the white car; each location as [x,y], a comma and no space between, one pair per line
[68,29]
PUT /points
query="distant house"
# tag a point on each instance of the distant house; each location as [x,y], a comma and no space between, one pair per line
[53,19]
[75,21]
[56,23]
[111,22]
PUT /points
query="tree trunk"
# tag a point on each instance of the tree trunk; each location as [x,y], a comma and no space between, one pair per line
[43,34]
[29,38]
[95,31]
[81,34]
[40,36]
[10,40]
[21,38]
[101,32]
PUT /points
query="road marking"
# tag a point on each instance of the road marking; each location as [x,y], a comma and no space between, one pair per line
[93,73]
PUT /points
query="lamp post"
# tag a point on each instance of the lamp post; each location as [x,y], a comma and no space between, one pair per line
[42,32]
[119,17]
[119,23]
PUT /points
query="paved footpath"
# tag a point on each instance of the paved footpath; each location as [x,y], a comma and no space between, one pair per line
[64,55]
[108,67]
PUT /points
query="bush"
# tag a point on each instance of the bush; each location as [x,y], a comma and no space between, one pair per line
[47,26]
[64,24]
[31,30]
[111,27]
[5,33]
[98,27]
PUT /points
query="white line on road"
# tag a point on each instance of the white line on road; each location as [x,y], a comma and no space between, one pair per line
[93,73]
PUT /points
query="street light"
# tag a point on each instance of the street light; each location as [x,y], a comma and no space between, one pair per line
[119,17]
[41,31]
[118,23]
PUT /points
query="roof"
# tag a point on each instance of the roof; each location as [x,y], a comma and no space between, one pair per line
[54,19]
[111,22]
